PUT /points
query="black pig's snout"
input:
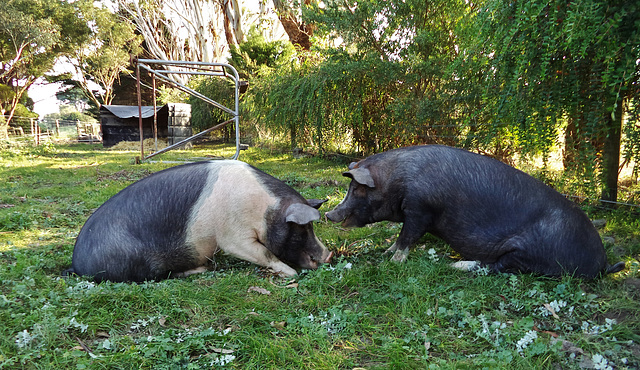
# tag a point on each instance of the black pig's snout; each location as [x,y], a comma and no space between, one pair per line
[334,216]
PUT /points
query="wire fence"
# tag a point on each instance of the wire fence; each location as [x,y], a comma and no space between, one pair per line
[43,129]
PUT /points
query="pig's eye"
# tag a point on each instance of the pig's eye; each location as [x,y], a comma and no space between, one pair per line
[360,190]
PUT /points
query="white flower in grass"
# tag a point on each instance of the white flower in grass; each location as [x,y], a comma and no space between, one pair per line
[432,255]
[23,339]
[601,363]
[528,338]
[223,360]
[591,328]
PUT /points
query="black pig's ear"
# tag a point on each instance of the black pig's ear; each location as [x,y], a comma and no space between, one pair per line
[316,203]
[361,176]
[301,214]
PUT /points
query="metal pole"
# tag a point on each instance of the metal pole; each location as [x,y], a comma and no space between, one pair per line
[139,110]
[155,114]
[226,70]
[190,139]
[237,119]
[188,90]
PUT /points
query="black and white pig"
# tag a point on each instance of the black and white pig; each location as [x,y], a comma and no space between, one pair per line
[484,209]
[173,222]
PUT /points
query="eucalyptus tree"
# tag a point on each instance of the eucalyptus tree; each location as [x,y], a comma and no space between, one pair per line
[299,30]
[187,30]
[547,66]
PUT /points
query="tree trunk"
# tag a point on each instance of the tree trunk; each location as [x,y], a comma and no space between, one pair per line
[298,31]
[4,126]
[571,142]
[294,135]
[611,154]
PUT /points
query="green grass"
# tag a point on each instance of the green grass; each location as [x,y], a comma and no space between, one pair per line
[360,311]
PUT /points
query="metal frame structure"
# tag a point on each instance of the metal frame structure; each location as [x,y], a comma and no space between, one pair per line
[173,67]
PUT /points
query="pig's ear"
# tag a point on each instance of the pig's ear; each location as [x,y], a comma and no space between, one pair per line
[301,214]
[316,203]
[361,176]
[352,165]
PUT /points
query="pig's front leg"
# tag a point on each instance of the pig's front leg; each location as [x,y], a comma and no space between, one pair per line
[255,252]
[412,231]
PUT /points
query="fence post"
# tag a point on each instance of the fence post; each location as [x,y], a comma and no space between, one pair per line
[57,127]
[34,131]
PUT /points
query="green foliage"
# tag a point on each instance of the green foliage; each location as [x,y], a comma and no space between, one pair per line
[107,55]
[256,53]
[203,114]
[507,79]
[387,83]
[317,105]
[549,67]
[69,113]
[33,34]
[249,59]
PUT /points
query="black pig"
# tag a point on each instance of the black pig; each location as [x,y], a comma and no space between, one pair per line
[484,209]
[172,222]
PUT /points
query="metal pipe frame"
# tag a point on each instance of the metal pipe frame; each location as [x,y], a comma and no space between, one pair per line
[194,68]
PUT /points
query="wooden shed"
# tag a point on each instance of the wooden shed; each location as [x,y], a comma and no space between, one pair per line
[120,123]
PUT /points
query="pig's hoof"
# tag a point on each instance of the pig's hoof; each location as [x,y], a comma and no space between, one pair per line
[197,270]
[393,248]
[466,265]
[400,255]
[284,271]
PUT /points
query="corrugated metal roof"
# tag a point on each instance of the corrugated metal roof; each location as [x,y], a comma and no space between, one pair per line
[130,111]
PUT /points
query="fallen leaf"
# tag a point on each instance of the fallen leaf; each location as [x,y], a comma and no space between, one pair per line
[86,348]
[550,309]
[222,350]
[253,313]
[292,285]
[102,334]
[258,290]
[162,321]
[7,205]
[278,325]
[427,345]
[553,334]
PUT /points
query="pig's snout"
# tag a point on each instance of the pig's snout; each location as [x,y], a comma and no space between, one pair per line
[335,216]
[314,262]
[326,258]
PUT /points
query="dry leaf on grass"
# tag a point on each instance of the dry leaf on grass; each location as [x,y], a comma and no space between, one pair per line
[258,290]
[222,350]
[278,324]
[550,309]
